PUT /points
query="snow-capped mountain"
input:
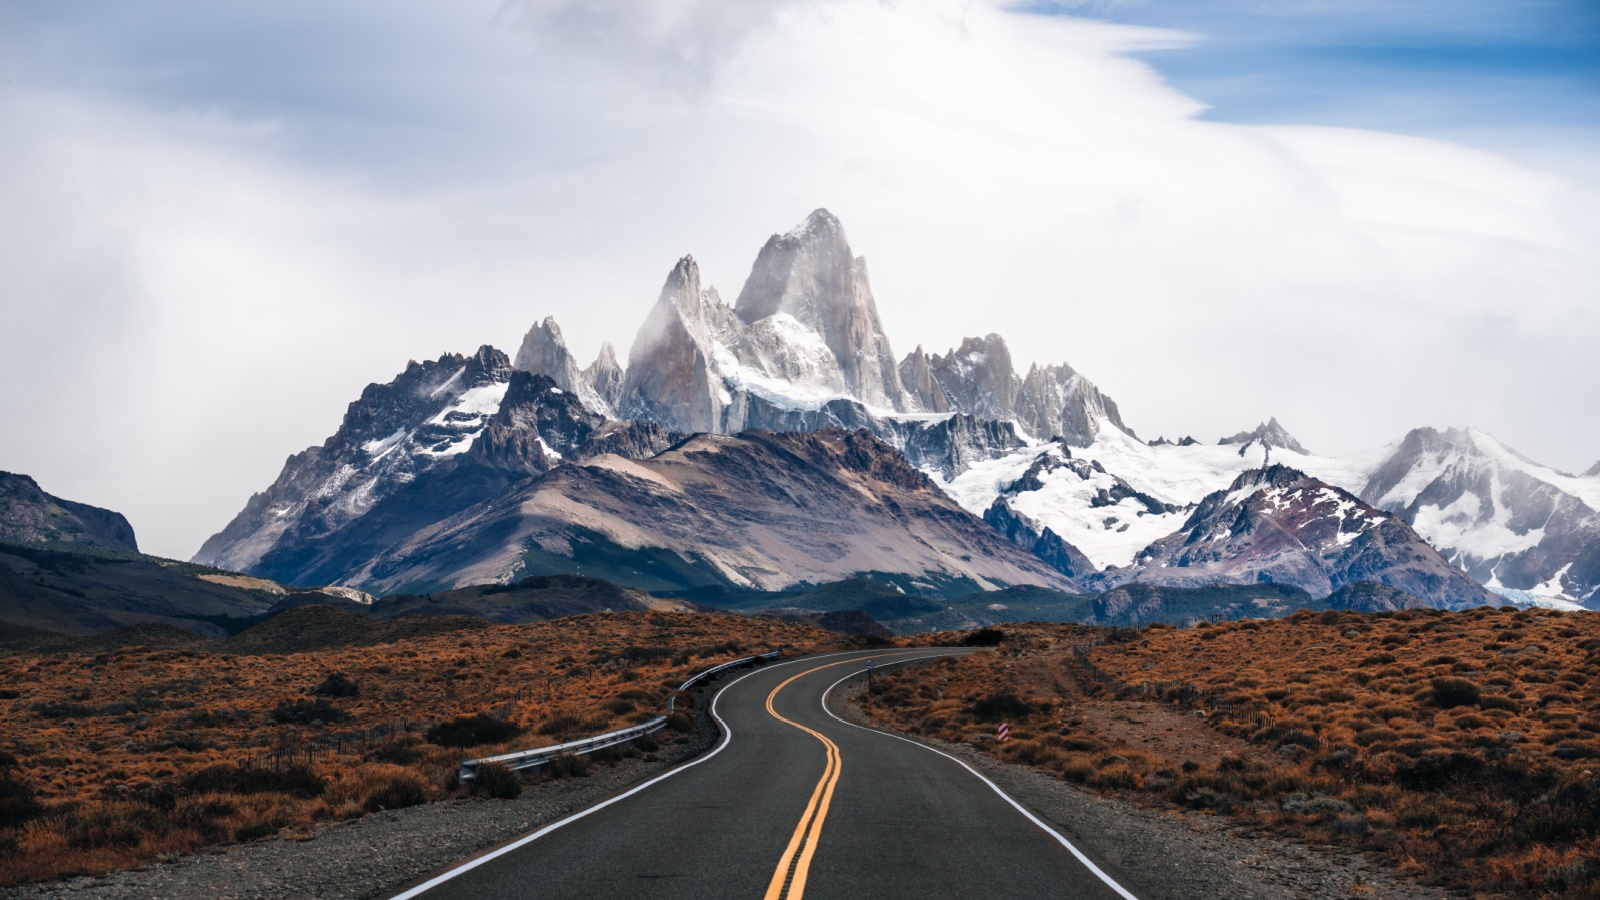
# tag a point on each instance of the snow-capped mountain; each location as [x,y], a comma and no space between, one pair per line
[1135,513]
[1044,458]
[809,317]
[678,385]
[606,376]
[1096,512]
[1115,495]
[1268,435]
[804,332]
[465,469]
[1282,526]
[441,436]
[1525,530]
[429,414]
[803,348]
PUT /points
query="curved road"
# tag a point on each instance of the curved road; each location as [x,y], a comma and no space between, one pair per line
[793,803]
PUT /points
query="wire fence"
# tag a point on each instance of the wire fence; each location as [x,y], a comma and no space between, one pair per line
[365,743]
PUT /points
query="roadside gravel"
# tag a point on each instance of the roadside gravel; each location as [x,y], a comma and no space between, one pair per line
[1157,854]
[376,856]
[1153,853]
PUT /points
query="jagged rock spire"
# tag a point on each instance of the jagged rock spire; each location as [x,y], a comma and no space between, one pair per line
[671,378]
[978,378]
[811,274]
[916,375]
[606,376]
[1268,434]
[544,352]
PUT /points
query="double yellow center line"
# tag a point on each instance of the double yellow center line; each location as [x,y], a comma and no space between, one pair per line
[796,860]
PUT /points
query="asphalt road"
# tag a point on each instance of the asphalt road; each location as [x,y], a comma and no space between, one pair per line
[793,803]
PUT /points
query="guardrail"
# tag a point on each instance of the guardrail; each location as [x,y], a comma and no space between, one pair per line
[727,665]
[527,759]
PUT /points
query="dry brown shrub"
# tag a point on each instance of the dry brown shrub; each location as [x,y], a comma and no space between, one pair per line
[134,725]
[1464,789]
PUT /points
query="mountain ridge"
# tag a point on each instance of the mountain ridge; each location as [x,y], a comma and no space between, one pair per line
[757,510]
[1280,525]
[1045,458]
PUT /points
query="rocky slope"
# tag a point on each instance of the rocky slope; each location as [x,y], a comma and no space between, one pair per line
[439,438]
[28,515]
[758,510]
[1282,526]
[532,599]
[67,590]
[1525,530]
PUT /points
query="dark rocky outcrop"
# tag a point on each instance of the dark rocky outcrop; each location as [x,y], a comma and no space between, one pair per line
[78,589]
[28,515]
[1041,542]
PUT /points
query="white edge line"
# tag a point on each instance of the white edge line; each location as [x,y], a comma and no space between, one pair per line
[727,735]
[1087,862]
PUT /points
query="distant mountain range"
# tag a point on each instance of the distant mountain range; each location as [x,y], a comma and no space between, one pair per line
[778,442]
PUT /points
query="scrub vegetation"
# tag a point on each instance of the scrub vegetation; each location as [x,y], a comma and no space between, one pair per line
[1459,747]
[116,757]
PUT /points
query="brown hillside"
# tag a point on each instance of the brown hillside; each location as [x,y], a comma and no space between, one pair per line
[1460,747]
[109,759]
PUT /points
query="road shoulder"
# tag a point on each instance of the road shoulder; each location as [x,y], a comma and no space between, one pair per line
[1161,854]
[375,856]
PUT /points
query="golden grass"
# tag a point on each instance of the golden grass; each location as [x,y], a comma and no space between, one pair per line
[1458,746]
[132,755]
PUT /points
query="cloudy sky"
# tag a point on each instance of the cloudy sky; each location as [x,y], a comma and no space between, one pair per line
[220,221]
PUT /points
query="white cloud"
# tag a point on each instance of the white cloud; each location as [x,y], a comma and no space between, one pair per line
[196,295]
[681,43]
